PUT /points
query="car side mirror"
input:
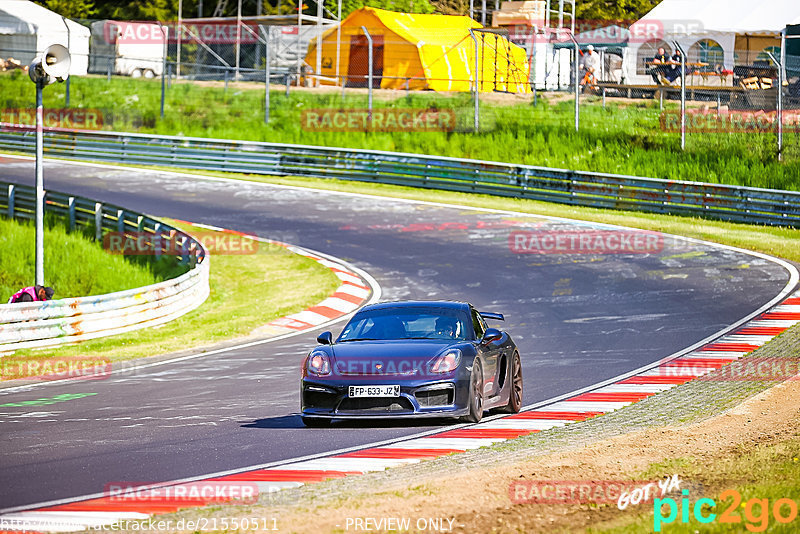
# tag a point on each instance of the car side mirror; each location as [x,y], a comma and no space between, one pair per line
[491,334]
[325,338]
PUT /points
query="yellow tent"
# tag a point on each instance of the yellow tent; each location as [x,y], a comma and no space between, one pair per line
[420,52]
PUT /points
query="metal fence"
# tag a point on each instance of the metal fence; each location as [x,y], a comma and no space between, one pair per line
[600,190]
[55,322]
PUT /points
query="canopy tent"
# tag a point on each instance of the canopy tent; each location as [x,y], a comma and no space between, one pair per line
[727,23]
[26,29]
[420,52]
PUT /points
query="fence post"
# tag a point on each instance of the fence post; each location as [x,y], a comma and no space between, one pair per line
[476,82]
[164,68]
[576,73]
[121,221]
[683,94]
[157,241]
[779,104]
[288,78]
[369,76]
[98,221]
[267,72]
[12,192]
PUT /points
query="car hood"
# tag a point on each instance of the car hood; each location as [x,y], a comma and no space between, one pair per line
[387,358]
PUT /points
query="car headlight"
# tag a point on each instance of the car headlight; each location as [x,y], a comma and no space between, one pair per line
[446,362]
[318,363]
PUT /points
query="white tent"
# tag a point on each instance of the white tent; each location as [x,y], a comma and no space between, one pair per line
[26,29]
[725,22]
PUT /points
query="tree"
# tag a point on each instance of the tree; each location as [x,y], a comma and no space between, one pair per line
[403,6]
[613,10]
[72,9]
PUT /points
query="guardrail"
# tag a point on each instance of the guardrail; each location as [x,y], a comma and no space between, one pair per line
[43,324]
[598,190]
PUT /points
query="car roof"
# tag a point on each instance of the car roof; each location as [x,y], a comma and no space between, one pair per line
[448,304]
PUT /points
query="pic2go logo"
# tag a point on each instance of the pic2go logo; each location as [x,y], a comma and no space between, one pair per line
[756,511]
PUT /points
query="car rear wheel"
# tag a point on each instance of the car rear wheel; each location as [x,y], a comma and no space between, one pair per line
[316,422]
[515,383]
[475,395]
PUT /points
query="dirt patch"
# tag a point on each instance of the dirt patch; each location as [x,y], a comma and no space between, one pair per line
[478,500]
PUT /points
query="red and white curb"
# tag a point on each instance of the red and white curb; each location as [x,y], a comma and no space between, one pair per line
[107,510]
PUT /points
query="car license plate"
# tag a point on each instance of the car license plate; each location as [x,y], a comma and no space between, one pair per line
[374,391]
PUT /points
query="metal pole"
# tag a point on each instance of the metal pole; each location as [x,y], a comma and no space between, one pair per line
[39,188]
[238,39]
[339,42]
[483,12]
[533,64]
[267,72]
[299,48]
[780,94]
[577,86]
[180,32]
[475,84]
[164,69]
[66,97]
[779,106]
[683,95]
[369,74]
[318,62]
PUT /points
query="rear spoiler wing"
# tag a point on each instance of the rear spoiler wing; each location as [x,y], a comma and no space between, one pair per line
[495,316]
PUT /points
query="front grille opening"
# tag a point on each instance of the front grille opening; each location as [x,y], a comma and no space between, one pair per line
[376,404]
[315,398]
[435,397]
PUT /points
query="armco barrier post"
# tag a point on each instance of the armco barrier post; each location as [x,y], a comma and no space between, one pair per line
[12,191]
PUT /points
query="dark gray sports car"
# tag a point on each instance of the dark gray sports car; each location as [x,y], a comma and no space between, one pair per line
[412,359]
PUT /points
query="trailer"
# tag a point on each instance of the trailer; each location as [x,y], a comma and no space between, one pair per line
[133,49]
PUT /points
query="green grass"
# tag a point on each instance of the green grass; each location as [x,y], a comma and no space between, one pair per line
[625,139]
[74,265]
[247,291]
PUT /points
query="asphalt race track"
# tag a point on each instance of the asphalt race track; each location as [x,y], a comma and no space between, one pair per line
[577,318]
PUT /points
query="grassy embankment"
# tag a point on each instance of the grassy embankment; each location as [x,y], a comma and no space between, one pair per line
[95,273]
[625,139]
[269,284]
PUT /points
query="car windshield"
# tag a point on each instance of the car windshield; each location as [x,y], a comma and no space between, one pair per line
[406,323]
